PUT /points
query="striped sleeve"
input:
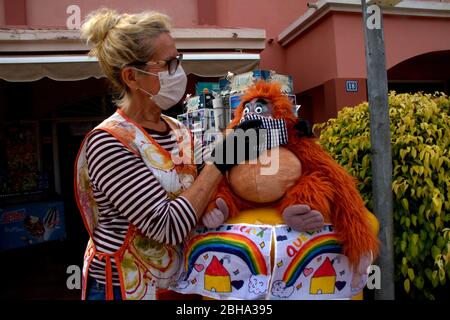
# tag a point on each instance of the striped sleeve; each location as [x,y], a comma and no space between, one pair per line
[135,192]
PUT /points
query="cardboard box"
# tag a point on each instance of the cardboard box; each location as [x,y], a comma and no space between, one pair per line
[209,86]
[193,103]
[241,82]
[224,85]
[287,86]
[183,118]
[235,100]
[201,119]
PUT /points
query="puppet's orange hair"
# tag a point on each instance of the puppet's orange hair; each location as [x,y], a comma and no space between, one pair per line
[282,107]
[327,187]
[324,185]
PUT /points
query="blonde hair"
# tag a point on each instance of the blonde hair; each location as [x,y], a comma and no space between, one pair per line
[119,40]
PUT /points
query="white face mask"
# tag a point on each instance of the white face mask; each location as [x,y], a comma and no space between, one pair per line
[171,87]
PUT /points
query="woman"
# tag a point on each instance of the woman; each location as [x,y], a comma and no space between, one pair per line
[135,179]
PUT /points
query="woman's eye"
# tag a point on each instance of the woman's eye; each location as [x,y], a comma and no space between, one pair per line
[246,110]
[258,109]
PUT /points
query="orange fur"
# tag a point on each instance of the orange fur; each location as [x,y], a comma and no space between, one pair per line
[324,185]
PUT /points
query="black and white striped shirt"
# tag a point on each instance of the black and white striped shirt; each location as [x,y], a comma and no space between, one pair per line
[127,192]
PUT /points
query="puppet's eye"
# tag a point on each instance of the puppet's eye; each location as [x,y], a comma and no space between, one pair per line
[258,108]
[246,110]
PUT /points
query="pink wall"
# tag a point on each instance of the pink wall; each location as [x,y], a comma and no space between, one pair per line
[273,16]
[350,52]
[2,12]
[312,60]
[405,37]
[51,13]
[334,47]
[430,66]
[349,99]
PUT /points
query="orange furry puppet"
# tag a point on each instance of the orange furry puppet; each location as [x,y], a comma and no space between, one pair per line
[323,185]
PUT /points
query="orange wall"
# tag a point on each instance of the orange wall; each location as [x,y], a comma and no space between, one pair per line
[324,101]
[349,99]
[332,51]
[431,66]
[51,13]
[273,16]
[311,60]
[2,12]
[350,52]
[405,37]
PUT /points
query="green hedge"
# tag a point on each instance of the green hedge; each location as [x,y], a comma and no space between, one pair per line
[420,137]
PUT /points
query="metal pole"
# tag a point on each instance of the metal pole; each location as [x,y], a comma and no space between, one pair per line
[380,138]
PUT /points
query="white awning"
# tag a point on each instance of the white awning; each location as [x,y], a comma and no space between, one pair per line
[78,67]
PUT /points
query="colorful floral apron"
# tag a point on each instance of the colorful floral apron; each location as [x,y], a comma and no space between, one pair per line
[144,265]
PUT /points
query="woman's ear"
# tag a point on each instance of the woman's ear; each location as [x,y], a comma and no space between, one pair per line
[128,75]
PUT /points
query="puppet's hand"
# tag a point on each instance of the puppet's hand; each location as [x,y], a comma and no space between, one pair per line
[226,155]
[300,217]
[216,216]
[303,128]
[361,272]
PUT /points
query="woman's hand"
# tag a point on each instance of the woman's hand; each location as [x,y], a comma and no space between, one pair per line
[226,154]
[216,216]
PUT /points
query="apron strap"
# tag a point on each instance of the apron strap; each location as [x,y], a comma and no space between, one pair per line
[108,276]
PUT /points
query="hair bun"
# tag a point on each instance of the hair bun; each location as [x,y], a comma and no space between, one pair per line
[97,25]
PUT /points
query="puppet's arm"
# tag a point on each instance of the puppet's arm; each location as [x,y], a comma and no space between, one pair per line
[233,202]
[312,190]
[330,189]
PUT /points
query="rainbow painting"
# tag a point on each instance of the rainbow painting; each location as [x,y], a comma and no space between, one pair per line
[226,242]
[314,247]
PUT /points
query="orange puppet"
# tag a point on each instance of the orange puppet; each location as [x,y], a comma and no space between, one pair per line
[307,189]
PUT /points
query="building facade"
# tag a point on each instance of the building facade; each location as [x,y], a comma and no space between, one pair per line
[52,92]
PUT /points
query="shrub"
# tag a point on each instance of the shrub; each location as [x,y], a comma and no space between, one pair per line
[420,140]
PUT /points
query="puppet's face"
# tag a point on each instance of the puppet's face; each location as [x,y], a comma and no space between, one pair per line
[258,106]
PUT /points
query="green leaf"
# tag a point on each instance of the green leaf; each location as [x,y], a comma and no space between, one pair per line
[441,275]
[440,242]
[428,273]
[411,274]
[419,282]
[403,245]
[405,204]
[435,251]
[404,270]
[414,250]
[414,220]
[423,235]
[406,285]
[414,238]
